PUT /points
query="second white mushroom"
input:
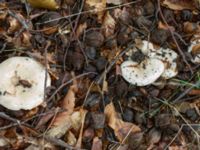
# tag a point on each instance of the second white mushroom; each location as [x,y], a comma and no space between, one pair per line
[159,63]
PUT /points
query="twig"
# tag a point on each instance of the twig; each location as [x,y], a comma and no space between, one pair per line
[88,92]
[186,92]
[68,82]
[7,117]
[179,131]
[78,17]
[46,65]
[79,43]
[60,143]
[23,23]
[180,115]
[89,11]
[113,62]
[17,122]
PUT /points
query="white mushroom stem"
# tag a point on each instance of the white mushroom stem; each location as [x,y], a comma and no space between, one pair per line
[22,81]
[144,73]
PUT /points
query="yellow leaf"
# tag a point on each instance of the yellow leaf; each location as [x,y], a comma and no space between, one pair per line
[48,4]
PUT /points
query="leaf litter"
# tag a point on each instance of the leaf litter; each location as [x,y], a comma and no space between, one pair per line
[90,105]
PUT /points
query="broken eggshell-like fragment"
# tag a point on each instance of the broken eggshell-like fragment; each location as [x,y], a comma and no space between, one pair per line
[22,81]
[194,49]
[144,73]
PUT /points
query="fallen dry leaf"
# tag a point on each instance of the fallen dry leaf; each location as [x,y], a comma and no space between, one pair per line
[62,121]
[194,92]
[44,120]
[165,27]
[48,4]
[121,128]
[108,25]
[50,30]
[180,4]
[83,114]
[23,40]
[14,24]
[191,27]
[4,142]
[80,29]
[70,138]
[37,55]
[3,14]
[26,38]
[99,7]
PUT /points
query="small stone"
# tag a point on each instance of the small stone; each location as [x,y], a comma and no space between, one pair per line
[92,100]
[128,115]
[121,89]
[191,113]
[154,136]
[186,15]
[98,120]
[159,36]
[90,52]
[94,38]
[162,120]
[101,63]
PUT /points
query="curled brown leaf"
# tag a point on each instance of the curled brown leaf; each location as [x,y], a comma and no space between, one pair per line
[121,129]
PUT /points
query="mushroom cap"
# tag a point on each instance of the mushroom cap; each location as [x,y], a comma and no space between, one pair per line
[22,81]
[168,57]
[144,73]
[194,48]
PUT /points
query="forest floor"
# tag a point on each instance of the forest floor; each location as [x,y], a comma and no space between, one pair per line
[90,104]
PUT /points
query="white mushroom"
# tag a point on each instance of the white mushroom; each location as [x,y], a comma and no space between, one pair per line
[194,49]
[22,82]
[144,73]
[167,56]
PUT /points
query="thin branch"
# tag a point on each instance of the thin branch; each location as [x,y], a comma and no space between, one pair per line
[68,82]
[90,11]
[113,62]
